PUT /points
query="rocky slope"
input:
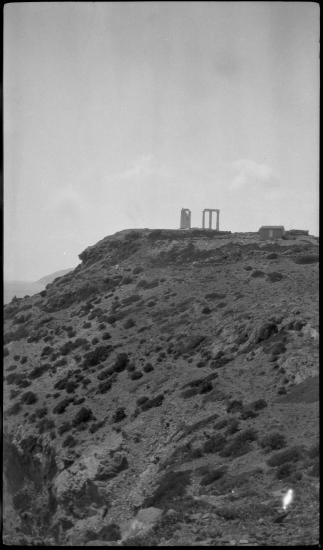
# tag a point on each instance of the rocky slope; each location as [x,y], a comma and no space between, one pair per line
[165,392]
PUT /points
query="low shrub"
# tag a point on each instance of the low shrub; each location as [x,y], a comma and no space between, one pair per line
[65,427]
[96,356]
[137,270]
[141,400]
[214,444]
[235,406]
[29,398]
[292,454]
[61,406]
[154,402]
[273,441]
[129,323]
[106,336]
[82,416]
[36,372]
[171,486]
[41,412]
[105,386]
[307,259]
[285,470]
[45,425]
[96,426]
[257,273]
[248,412]
[5,352]
[240,444]
[213,475]
[148,367]
[233,426]
[119,415]
[70,441]
[121,362]
[14,409]
[47,350]
[95,341]
[136,374]
[274,276]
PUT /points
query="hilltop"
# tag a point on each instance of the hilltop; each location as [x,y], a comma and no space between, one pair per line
[171,378]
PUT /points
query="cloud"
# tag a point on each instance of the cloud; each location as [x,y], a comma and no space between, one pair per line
[247,173]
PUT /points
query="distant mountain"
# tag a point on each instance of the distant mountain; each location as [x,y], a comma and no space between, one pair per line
[23,288]
[49,278]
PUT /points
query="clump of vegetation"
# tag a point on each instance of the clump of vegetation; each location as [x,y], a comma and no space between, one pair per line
[136,374]
[273,441]
[232,426]
[213,475]
[121,362]
[292,454]
[29,398]
[274,276]
[143,283]
[96,356]
[129,323]
[96,426]
[45,425]
[214,444]
[137,270]
[14,409]
[70,441]
[148,367]
[65,427]
[82,416]
[257,273]
[5,352]
[106,336]
[235,406]
[307,259]
[61,406]
[119,414]
[47,350]
[154,402]
[171,486]
[240,444]
[105,386]
[285,470]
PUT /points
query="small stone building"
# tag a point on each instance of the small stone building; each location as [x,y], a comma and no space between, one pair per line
[271,232]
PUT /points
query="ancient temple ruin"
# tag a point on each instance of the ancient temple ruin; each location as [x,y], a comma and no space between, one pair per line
[185,218]
[210,211]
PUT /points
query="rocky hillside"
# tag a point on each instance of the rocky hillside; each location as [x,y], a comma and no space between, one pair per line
[165,392]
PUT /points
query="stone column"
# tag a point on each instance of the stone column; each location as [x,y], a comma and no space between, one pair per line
[210,219]
[218,220]
[203,220]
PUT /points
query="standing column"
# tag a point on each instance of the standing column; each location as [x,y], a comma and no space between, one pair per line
[210,219]
[217,220]
[203,219]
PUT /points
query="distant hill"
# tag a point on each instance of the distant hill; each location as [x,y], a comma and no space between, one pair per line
[23,288]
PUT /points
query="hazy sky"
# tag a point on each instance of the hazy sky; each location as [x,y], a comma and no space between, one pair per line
[117,115]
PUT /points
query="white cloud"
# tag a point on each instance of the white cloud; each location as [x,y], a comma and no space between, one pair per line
[248,173]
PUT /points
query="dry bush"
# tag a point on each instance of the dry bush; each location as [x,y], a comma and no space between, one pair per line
[273,441]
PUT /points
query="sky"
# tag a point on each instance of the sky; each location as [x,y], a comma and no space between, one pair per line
[119,114]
